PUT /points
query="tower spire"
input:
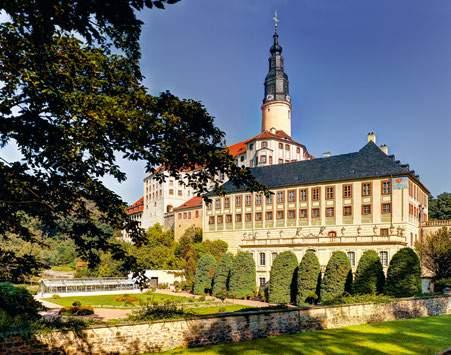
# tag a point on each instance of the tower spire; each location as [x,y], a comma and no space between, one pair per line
[276,88]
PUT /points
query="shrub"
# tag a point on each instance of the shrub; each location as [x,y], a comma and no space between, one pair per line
[151,311]
[18,301]
[309,279]
[369,277]
[242,276]
[404,274]
[368,298]
[76,304]
[76,311]
[222,276]
[439,285]
[283,278]
[337,277]
[205,271]
[163,286]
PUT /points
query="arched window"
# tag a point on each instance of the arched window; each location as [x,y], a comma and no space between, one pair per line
[169,208]
[332,234]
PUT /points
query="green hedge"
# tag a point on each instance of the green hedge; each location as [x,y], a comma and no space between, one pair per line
[369,277]
[242,276]
[222,276]
[283,278]
[337,278]
[309,279]
[404,274]
[205,272]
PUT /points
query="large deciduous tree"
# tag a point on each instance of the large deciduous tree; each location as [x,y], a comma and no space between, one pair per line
[72,101]
[440,207]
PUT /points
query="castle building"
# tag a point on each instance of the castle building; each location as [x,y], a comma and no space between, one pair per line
[273,145]
[350,202]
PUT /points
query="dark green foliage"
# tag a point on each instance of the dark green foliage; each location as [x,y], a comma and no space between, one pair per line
[72,101]
[404,274]
[353,299]
[242,276]
[18,301]
[283,278]
[336,277]
[439,285]
[151,311]
[309,278]
[205,272]
[222,276]
[369,277]
[440,207]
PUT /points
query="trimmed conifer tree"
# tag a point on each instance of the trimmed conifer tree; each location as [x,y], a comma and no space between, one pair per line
[242,276]
[369,277]
[222,276]
[336,278]
[309,277]
[404,274]
[283,278]
[205,272]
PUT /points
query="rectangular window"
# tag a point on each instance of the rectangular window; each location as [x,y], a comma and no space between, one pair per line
[347,191]
[384,232]
[366,209]
[315,213]
[263,159]
[220,219]
[248,200]
[316,194]
[303,213]
[287,147]
[171,192]
[262,259]
[197,214]
[264,144]
[238,218]
[280,196]
[258,200]
[280,146]
[189,215]
[209,205]
[291,195]
[211,220]
[366,189]
[351,257]
[180,192]
[273,256]
[270,160]
[280,161]
[228,218]
[298,150]
[303,195]
[180,215]
[291,214]
[248,217]
[386,208]
[184,215]
[383,255]
[238,201]
[280,215]
[347,211]
[386,187]
[269,199]
[262,281]
[269,216]
[258,216]
[330,212]
[227,202]
[330,192]
[218,204]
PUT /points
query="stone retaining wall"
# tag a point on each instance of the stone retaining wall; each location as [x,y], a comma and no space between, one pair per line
[231,327]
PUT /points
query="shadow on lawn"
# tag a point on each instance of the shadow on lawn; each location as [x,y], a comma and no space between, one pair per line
[414,336]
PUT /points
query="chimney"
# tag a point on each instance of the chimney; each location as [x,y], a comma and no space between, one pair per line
[384,148]
[372,137]
[326,154]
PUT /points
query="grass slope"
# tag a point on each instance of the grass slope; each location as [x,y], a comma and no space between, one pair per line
[414,336]
[110,300]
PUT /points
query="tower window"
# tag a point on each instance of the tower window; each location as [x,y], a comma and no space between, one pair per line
[264,144]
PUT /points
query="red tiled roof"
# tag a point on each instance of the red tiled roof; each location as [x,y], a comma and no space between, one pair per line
[195,202]
[136,207]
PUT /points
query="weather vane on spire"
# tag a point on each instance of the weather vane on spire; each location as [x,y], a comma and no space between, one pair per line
[276,21]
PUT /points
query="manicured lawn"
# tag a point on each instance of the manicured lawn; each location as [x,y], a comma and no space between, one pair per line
[414,336]
[112,300]
[216,309]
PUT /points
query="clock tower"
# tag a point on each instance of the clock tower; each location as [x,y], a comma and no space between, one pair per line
[276,107]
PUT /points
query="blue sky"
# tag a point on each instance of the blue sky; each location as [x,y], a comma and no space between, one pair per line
[354,66]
